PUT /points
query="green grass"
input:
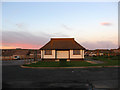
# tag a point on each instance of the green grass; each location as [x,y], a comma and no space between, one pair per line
[106,58]
[58,64]
[108,61]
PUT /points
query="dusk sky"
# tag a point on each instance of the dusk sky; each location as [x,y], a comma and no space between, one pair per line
[31,24]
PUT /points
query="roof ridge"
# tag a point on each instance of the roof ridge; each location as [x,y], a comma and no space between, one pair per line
[62,38]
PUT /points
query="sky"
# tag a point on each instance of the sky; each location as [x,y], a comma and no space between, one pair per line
[30,25]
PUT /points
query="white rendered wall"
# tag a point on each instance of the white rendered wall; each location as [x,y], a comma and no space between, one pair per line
[77,56]
[62,54]
[83,54]
[41,53]
[48,56]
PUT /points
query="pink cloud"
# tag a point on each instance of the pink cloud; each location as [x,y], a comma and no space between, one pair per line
[24,39]
[23,46]
[99,45]
[106,23]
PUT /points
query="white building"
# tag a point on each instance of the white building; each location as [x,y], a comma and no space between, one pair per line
[62,49]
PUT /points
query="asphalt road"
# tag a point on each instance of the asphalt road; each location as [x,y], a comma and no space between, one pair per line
[13,76]
[14,62]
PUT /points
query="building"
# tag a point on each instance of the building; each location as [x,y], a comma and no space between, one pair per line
[34,53]
[20,53]
[62,49]
[115,52]
[12,54]
[97,52]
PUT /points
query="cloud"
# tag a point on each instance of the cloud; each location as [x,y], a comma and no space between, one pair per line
[66,27]
[25,39]
[14,38]
[21,25]
[99,44]
[20,45]
[106,24]
[59,34]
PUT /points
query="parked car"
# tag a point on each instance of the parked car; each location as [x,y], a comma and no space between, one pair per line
[16,57]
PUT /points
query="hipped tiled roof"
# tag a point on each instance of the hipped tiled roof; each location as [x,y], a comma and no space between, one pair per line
[62,43]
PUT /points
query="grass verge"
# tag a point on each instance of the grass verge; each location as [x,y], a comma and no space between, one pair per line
[107,62]
[59,64]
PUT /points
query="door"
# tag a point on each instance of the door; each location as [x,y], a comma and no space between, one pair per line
[62,54]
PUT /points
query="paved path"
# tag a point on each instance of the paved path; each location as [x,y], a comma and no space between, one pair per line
[94,61]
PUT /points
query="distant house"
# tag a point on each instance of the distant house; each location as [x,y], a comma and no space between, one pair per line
[115,51]
[20,53]
[62,48]
[7,54]
[96,52]
[34,52]
[10,54]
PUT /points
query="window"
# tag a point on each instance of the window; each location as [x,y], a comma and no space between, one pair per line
[76,52]
[48,52]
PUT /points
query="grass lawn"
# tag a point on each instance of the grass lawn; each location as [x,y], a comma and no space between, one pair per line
[108,61]
[59,64]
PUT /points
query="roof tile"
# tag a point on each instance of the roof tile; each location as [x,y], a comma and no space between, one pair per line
[62,43]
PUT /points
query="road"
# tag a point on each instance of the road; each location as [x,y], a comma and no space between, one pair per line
[16,77]
[14,62]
